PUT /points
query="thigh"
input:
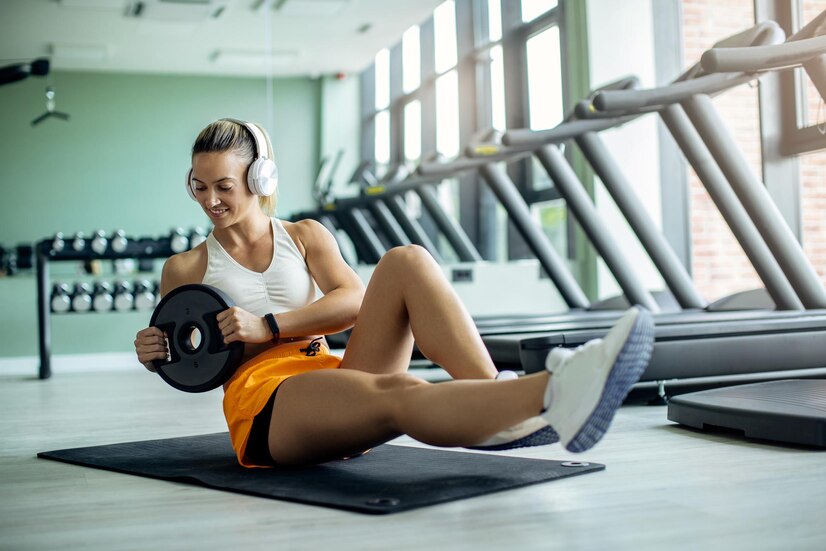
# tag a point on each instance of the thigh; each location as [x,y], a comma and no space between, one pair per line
[381,340]
[331,414]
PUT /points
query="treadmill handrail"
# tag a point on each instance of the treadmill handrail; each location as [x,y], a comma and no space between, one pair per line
[763,58]
[447,169]
[693,82]
[562,132]
[807,43]
[630,100]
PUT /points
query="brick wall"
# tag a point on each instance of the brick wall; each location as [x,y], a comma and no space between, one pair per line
[813,169]
[719,265]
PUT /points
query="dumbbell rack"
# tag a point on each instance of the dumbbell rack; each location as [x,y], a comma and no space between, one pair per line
[144,248]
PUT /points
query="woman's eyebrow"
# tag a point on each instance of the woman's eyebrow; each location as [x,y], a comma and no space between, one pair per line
[218,181]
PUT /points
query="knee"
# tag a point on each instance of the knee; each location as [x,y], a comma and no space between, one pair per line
[395,389]
[407,257]
[394,383]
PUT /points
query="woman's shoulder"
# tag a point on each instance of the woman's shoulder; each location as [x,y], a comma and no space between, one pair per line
[306,227]
[186,267]
[305,233]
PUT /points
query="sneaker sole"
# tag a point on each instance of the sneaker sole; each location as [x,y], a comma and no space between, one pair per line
[542,437]
[627,369]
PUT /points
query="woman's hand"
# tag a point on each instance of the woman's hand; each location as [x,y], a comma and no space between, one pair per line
[236,324]
[150,344]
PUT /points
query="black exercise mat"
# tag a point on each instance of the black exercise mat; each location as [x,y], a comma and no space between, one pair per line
[389,479]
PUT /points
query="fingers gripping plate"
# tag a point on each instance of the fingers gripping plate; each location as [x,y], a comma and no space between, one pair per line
[199,359]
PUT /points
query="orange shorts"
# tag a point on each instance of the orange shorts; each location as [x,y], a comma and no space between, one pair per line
[252,384]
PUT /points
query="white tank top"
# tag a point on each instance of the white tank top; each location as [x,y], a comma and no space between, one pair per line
[286,285]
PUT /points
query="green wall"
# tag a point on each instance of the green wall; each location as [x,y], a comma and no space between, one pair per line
[120,163]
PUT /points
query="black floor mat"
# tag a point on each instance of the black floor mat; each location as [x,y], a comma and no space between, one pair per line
[389,479]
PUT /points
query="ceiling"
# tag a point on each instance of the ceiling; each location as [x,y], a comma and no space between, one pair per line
[206,37]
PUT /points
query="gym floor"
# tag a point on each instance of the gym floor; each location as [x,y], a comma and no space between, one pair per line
[664,486]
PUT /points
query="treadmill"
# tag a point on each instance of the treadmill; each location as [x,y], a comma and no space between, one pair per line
[723,343]
[787,411]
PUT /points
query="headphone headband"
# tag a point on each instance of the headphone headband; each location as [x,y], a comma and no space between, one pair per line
[263,150]
[262,175]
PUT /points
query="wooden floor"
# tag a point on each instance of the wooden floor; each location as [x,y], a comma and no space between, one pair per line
[665,487]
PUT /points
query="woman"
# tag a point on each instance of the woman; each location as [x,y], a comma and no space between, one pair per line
[331,408]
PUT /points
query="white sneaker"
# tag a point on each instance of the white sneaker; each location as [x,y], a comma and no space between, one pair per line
[588,384]
[532,432]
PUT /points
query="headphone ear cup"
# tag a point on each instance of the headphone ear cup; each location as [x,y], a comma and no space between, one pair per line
[189,189]
[262,178]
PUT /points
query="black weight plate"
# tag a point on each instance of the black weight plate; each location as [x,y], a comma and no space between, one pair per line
[209,364]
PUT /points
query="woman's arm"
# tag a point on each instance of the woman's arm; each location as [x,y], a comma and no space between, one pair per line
[334,312]
[342,288]
[180,269]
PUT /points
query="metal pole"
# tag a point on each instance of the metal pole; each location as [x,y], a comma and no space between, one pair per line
[411,226]
[365,230]
[665,259]
[388,224]
[581,205]
[454,233]
[757,202]
[327,221]
[365,253]
[520,214]
[730,208]
[43,313]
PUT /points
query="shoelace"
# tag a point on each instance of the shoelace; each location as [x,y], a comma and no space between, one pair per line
[313,348]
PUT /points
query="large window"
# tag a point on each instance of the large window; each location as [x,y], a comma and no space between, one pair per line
[411,60]
[447,114]
[719,265]
[413,131]
[531,9]
[454,84]
[444,30]
[813,165]
[544,79]
[381,121]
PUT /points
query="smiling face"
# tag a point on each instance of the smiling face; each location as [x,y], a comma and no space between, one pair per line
[219,180]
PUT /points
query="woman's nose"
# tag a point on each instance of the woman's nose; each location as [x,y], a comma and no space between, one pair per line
[211,198]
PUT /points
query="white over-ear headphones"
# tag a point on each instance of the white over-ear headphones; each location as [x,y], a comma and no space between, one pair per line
[262,176]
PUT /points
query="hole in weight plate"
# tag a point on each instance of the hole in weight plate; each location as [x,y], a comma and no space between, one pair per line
[191,338]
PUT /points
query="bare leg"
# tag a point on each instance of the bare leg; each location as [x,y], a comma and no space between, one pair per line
[409,296]
[330,414]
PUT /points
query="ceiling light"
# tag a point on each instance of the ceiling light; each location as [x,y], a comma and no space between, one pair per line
[240,58]
[312,8]
[80,52]
[100,4]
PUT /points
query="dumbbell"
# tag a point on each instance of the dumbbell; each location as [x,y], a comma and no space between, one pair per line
[61,300]
[103,301]
[119,241]
[82,297]
[144,295]
[99,242]
[24,255]
[123,297]
[78,242]
[178,240]
[199,360]
[196,237]
[58,242]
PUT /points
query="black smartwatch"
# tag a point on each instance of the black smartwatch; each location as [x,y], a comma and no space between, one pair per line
[273,326]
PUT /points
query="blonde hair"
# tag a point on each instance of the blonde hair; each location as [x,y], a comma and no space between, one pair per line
[228,135]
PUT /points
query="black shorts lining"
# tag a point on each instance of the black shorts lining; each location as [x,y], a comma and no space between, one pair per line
[258,448]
